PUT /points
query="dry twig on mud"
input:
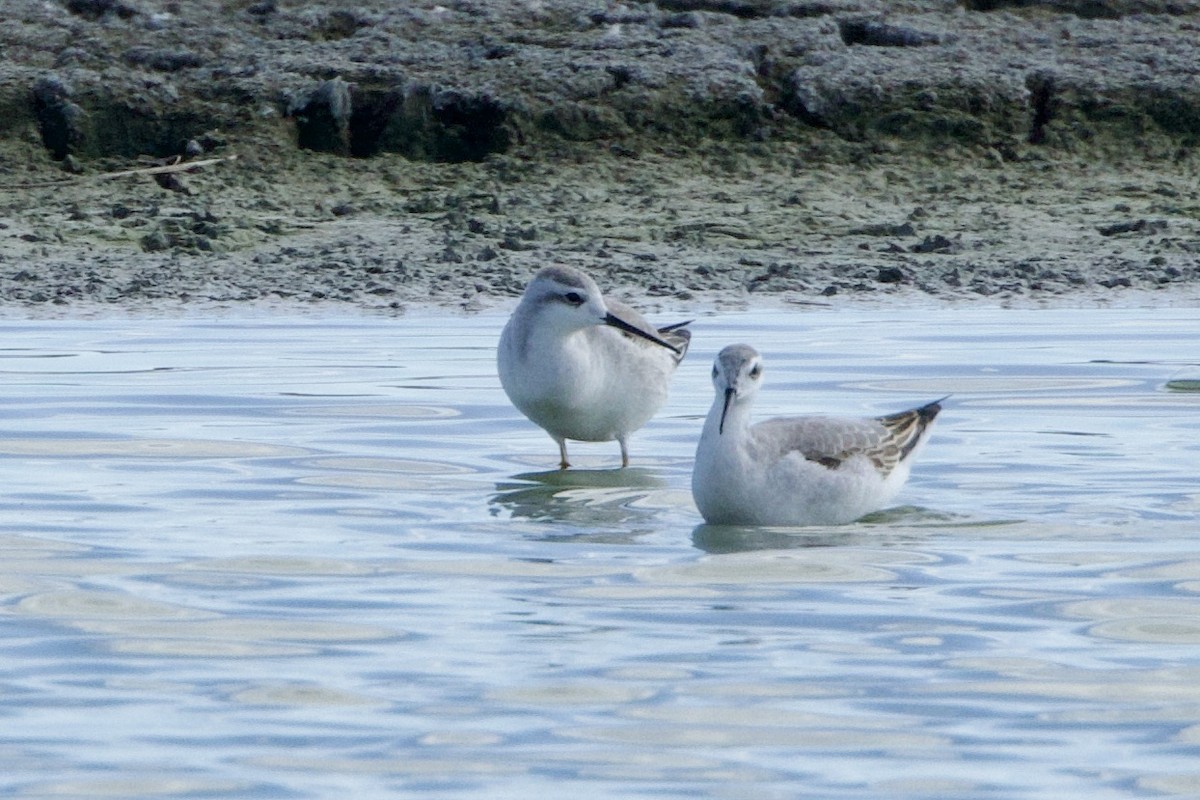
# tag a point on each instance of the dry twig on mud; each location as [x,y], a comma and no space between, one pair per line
[163,169]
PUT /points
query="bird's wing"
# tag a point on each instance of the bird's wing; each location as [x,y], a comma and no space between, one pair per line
[831,441]
[675,335]
[678,335]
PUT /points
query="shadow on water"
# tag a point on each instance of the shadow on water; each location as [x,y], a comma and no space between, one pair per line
[899,525]
[592,497]
[724,539]
[1185,380]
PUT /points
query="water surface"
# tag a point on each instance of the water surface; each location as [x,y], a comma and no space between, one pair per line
[296,557]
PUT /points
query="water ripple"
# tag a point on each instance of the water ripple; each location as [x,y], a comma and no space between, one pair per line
[266,557]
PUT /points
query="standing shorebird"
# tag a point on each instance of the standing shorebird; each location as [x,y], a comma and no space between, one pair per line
[583,367]
[796,470]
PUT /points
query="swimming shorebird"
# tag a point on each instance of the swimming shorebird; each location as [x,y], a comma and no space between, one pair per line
[583,367]
[796,470]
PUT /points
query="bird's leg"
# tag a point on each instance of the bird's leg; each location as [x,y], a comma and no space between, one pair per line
[562,454]
[624,453]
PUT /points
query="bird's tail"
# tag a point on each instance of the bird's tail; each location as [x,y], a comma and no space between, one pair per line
[678,335]
[909,427]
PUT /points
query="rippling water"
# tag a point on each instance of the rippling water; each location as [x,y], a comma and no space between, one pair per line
[276,557]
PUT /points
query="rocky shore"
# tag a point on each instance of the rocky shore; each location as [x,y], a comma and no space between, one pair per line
[697,151]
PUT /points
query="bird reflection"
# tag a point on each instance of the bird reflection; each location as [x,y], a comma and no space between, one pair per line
[591,497]
[718,539]
[893,526]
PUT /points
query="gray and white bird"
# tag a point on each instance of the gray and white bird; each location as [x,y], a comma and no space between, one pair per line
[583,367]
[811,470]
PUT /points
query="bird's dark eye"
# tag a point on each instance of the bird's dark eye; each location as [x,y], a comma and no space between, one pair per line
[756,370]
[574,298]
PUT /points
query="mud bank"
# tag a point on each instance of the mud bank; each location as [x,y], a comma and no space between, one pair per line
[699,152]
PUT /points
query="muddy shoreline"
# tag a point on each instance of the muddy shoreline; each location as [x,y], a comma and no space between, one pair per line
[687,154]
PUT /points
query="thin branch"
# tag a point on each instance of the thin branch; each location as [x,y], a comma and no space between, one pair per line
[180,166]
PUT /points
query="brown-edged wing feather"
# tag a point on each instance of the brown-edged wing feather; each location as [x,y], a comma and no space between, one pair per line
[831,441]
[905,431]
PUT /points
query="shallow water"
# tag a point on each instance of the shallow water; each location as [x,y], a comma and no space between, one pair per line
[290,557]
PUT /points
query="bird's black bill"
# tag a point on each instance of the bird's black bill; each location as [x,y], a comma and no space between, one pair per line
[621,324]
[729,393]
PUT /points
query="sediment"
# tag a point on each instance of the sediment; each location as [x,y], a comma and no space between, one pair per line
[695,151]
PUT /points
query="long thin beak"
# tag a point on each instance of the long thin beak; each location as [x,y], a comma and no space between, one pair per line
[730,393]
[617,322]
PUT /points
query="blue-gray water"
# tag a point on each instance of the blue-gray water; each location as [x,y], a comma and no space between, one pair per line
[296,557]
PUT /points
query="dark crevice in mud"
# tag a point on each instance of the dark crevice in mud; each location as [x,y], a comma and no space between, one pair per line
[881,34]
[59,119]
[116,129]
[1087,9]
[163,59]
[340,24]
[420,122]
[745,9]
[749,9]
[1041,99]
[323,118]
[98,125]
[804,100]
[373,110]
[1176,113]
[96,9]
[466,127]
[426,123]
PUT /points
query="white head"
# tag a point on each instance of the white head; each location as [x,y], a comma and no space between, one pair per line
[736,375]
[567,300]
